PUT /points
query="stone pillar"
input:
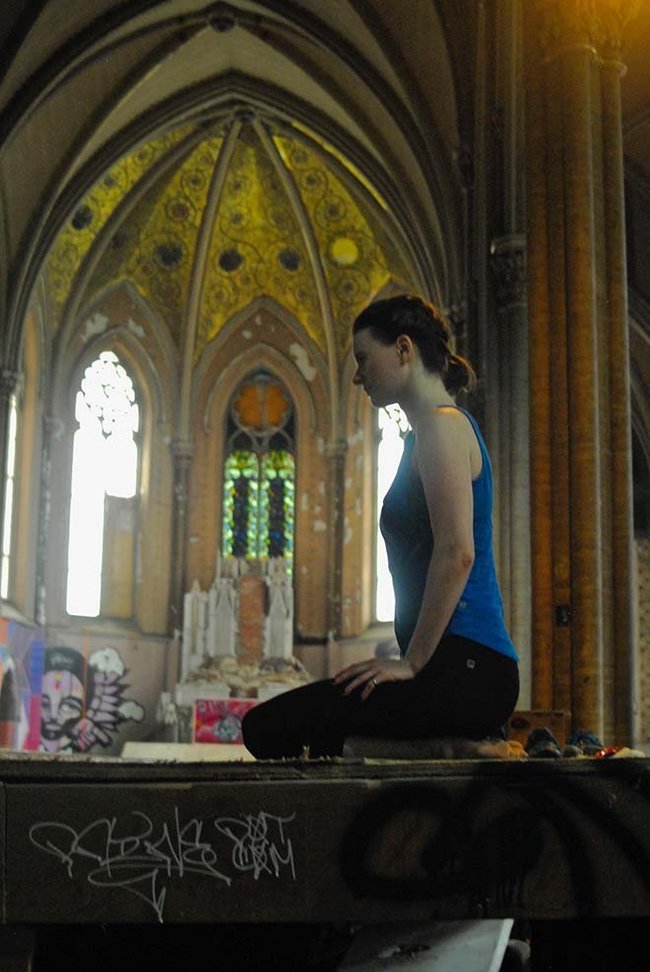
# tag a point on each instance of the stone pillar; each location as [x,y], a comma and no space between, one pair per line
[53,430]
[539,317]
[580,430]
[182,453]
[507,389]
[624,635]
[509,267]
[336,453]
[8,384]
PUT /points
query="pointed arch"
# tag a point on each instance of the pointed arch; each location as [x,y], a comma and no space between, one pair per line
[144,354]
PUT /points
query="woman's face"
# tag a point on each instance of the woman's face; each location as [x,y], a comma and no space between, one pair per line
[379,369]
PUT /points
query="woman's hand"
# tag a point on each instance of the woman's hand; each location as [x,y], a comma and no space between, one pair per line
[372,673]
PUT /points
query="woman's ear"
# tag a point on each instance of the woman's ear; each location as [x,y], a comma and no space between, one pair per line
[404,347]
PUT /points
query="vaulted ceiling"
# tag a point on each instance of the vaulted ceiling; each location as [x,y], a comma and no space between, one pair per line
[322,137]
[345,120]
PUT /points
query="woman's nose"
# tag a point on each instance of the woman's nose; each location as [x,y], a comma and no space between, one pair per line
[357,379]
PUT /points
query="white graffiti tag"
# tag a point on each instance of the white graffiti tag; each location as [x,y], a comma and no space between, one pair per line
[254,848]
[137,857]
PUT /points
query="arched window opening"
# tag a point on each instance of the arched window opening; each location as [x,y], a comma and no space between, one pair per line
[7,526]
[393,426]
[259,473]
[103,491]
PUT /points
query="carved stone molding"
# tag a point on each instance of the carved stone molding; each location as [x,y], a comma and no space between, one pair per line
[598,24]
[8,384]
[465,164]
[183,453]
[336,451]
[457,317]
[54,427]
[508,264]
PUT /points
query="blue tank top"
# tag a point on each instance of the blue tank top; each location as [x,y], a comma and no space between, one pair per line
[406,529]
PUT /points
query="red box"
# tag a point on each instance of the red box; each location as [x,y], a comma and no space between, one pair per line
[219,720]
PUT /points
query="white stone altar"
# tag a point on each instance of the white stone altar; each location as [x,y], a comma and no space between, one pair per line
[217,660]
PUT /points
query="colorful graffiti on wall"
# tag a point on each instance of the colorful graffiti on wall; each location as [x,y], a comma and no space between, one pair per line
[21,672]
[83,702]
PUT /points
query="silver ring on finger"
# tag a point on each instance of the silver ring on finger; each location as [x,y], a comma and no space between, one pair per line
[374,682]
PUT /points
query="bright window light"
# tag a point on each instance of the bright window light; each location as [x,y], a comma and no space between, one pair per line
[393,426]
[104,463]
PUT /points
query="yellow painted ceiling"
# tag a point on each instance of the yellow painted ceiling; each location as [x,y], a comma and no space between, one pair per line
[141,221]
[89,219]
[154,246]
[358,259]
[256,248]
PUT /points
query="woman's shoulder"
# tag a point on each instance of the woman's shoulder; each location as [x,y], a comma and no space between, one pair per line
[448,430]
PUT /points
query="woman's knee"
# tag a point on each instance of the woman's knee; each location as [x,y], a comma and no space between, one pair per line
[252,731]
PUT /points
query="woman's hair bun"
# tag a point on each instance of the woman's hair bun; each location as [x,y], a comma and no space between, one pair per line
[428,328]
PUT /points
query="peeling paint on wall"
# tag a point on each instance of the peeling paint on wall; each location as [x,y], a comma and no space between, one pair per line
[301,358]
[135,328]
[95,325]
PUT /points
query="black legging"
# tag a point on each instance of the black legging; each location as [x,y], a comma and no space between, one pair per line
[465,690]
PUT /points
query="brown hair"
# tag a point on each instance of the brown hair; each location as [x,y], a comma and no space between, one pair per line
[428,329]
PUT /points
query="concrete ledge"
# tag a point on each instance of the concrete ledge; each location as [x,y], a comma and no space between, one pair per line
[372,747]
[96,840]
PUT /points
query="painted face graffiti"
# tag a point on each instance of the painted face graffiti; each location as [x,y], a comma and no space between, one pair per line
[82,703]
[62,704]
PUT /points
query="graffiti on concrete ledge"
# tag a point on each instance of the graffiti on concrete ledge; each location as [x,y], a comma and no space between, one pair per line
[488,849]
[136,855]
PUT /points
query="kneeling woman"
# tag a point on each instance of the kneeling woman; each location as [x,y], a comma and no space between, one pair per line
[458,674]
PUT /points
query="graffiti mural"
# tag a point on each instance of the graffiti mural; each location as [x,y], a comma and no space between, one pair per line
[21,672]
[83,702]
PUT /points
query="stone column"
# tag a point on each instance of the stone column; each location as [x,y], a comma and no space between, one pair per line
[541,497]
[574,64]
[8,384]
[53,431]
[580,382]
[624,635]
[336,453]
[509,267]
[182,453]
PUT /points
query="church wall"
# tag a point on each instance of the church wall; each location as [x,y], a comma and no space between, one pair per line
[360,516]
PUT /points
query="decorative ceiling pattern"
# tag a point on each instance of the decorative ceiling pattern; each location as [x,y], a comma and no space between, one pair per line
[257,247]
[90,216]
[287,217]
[154,247]
[357,258]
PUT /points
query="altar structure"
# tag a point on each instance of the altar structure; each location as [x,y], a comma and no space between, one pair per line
[237,638]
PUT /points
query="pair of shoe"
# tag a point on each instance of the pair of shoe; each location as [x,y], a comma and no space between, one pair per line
[542,744]
[587,742]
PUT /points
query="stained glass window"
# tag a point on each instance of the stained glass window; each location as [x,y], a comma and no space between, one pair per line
[259,474]
[104,463]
